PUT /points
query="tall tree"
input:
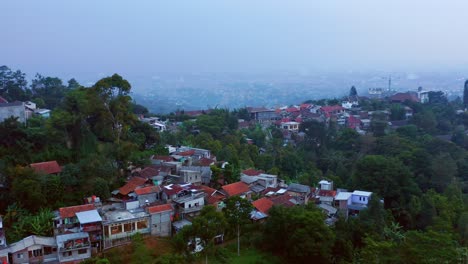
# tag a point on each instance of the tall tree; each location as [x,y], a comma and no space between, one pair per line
[298,234]
[465,94]
[353,91]
[13,85]
[49,89]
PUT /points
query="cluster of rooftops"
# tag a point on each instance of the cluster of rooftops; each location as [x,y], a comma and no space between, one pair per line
[161,198]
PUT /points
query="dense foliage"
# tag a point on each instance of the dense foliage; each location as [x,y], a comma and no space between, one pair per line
[421,176]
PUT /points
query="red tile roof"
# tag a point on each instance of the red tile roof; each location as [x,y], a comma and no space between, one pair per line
[263,204]
[149,172]
[329,193]
[48,167]
[353,122]
[236,188]
[163,158]
[252,172]
[401,97]
[68,212]
[159,208]
[172,189]
[147,189]
[212,195]
[331,108]
[131,185]
[186,153]
[3,100]
[205,162]
[282,200]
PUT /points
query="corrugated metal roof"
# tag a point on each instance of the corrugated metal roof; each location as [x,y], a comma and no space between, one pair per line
[90,216]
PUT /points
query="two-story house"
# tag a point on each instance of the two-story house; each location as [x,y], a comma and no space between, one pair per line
[67,221]
[120,224]
[352,202]
[31,249]
[189,202]
[74,247]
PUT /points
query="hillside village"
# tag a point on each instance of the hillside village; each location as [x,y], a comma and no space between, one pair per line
[166,187]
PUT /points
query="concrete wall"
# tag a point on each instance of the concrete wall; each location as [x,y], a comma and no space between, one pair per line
[13,109]
[161,224]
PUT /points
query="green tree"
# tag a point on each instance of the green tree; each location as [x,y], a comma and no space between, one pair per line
[237,213]
[207,225]
[13,85]
[299,234]
[397,112]
[387,177]
[49,89]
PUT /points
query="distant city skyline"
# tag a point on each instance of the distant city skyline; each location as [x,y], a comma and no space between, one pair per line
[77,38]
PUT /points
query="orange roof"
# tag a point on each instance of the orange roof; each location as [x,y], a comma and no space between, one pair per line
[131,185]
[263,204]
[149,172]
[48,167]
[329,193]
[186,153]
[147,189]
[236,188]
[68,212]
[205,162]
[163,158]
[252,172]
[159,208]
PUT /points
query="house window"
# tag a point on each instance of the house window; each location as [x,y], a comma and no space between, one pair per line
[116,229]
[142,225]
[19,255]
[47,250]
[82,251]
[129,227]
[67,254]
[35,253]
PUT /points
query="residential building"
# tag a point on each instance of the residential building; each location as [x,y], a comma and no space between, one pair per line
[213,197]
[127,191]
[31,249]
[74,247]
[91,223]
[190,176]
[262,114]
[2,235]
[44,113]
[47,167]
[204,173]
[189,202]
[236,189]
[352,202]
[15,109]
[160,219]
[120,224]
[291,126]
[67,220]
[299,192]
[148,195]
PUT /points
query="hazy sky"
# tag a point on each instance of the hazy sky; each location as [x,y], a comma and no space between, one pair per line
[232,36]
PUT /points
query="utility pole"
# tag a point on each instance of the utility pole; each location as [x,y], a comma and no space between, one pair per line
[238,231]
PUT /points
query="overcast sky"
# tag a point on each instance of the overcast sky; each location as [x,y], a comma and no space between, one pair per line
[153,36]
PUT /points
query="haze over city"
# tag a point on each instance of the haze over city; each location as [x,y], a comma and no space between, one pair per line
[156,43]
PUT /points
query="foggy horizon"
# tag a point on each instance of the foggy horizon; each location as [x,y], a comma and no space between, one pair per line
[105,37]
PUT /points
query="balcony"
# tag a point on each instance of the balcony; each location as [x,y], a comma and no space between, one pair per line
[191,209]
[91,228]
[189,197]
